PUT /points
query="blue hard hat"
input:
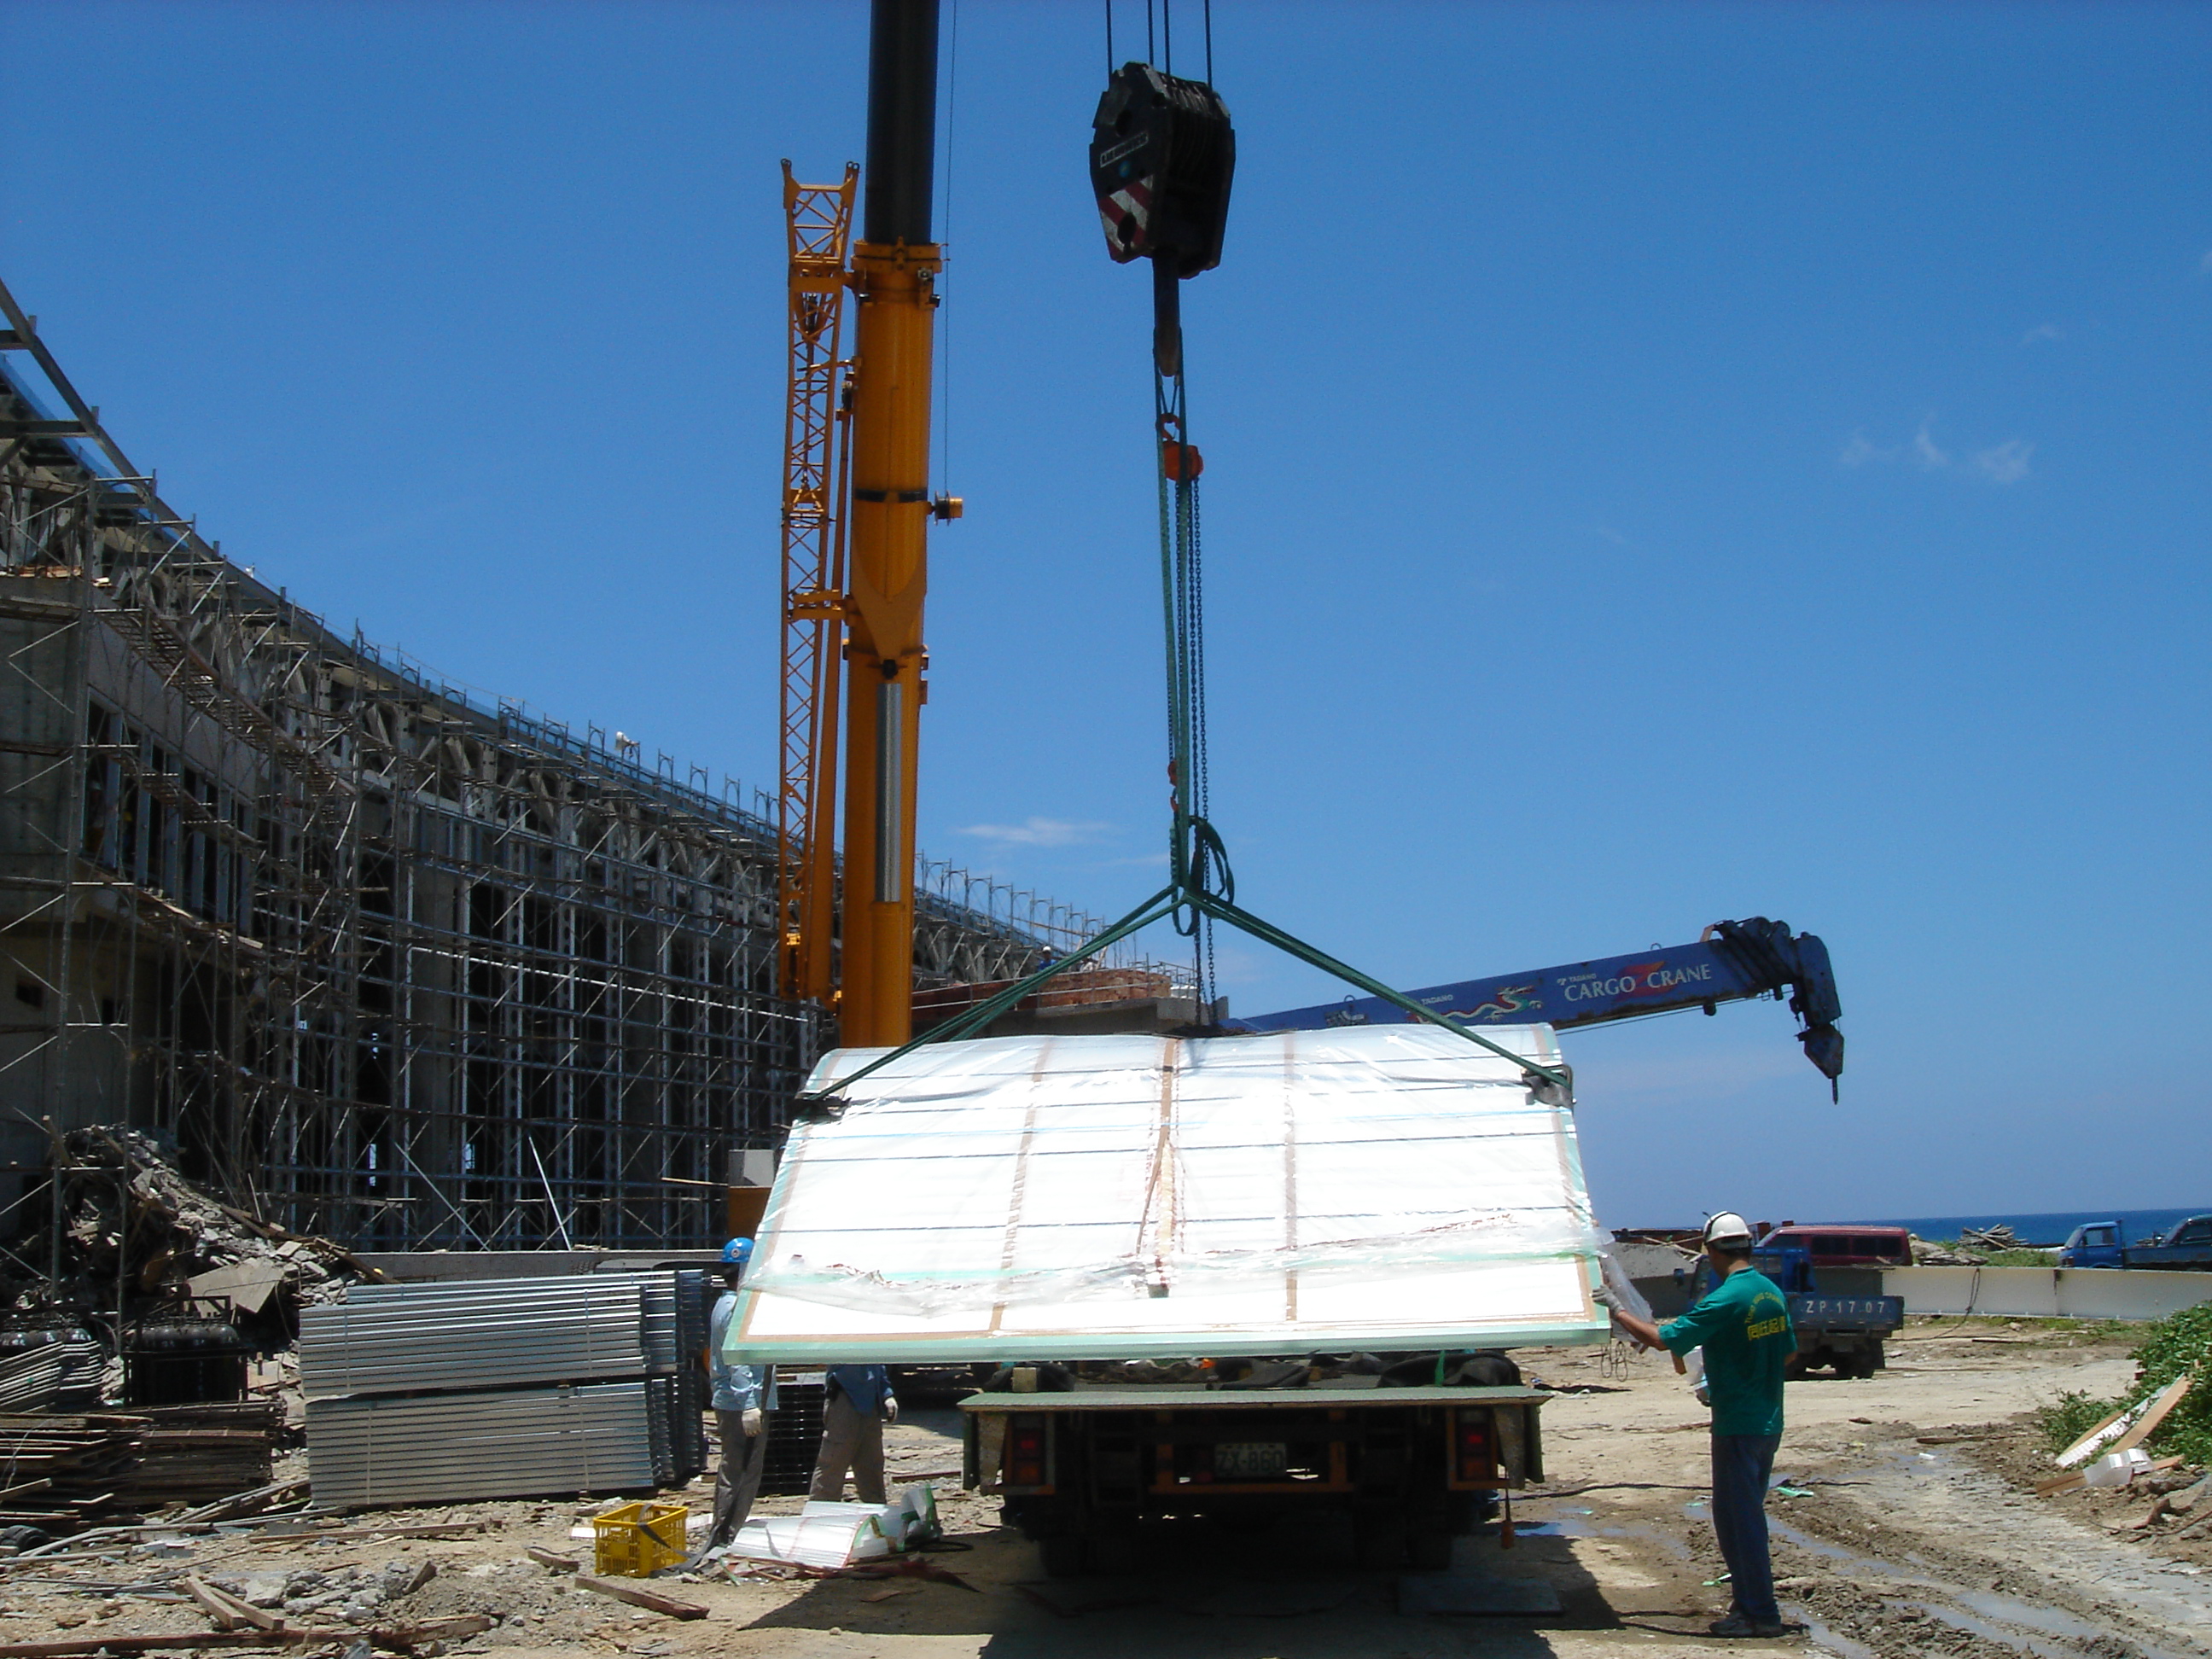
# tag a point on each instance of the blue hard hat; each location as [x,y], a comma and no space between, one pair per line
[738,1252]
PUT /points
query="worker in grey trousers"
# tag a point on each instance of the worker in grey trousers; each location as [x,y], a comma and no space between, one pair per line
[857,1403]
[743,1395]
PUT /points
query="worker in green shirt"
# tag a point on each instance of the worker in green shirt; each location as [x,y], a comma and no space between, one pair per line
[1743,1325]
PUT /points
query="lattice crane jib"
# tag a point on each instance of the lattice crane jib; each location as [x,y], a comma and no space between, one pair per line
[819,219]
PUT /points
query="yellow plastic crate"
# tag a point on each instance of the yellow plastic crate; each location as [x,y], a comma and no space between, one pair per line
[635,1540]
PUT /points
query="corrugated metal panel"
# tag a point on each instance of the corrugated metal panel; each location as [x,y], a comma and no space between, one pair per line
[505,1443]
[387,1339]
[59,1376]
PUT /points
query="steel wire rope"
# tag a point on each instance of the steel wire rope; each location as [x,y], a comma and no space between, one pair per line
[1197,857]
[945,241]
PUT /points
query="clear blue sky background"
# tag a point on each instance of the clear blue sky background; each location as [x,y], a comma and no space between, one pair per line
[1664,463]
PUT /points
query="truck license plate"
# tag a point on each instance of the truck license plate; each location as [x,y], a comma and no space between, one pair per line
[1250,1460]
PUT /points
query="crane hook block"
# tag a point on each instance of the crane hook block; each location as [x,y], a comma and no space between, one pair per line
[1162,155]
[1181,462]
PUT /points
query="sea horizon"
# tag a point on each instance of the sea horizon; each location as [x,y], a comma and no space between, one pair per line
[2030,1227]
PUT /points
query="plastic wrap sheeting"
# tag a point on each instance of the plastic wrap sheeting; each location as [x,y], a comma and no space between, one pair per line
[1126,1196]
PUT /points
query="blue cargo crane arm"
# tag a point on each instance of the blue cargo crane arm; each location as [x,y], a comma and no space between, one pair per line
[1733,961]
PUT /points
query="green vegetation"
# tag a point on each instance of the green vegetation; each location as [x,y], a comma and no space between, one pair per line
[2179,1343]
[2069,1417]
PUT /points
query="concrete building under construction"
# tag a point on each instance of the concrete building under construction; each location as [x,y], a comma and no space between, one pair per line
[369,957]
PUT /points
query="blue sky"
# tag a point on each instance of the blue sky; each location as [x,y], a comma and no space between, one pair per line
[1663,463]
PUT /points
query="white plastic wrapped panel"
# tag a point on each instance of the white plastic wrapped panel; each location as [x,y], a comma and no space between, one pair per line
[1121,1196]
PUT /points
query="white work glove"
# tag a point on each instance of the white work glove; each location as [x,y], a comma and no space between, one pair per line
[755,1421]
[891,1409]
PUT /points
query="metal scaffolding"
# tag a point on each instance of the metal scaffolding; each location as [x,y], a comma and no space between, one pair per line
[370,957]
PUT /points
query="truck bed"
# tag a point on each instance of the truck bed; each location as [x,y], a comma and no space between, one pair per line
[1190,1397]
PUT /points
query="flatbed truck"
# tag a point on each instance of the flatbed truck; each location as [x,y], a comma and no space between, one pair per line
[1407,1469]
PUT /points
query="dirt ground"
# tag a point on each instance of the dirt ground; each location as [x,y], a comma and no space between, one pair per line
[1907,1524]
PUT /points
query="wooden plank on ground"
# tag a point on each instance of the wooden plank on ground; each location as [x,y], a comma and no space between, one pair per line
[2057,1484]
[216,1604]
[638,1596]
[2168,1398]
[181,1641]
[239,1613]
[273,1538]
[2089,1442]
[458,1628]
[548,1559]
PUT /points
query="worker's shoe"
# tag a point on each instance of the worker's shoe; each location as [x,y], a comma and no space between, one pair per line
[1737,1624]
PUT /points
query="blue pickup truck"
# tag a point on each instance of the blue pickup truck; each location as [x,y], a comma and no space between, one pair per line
[2186,1247]
[1843,1318]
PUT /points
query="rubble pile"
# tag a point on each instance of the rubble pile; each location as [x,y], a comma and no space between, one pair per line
[129,1217]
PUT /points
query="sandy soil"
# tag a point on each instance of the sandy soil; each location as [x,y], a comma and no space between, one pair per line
[1917,1533]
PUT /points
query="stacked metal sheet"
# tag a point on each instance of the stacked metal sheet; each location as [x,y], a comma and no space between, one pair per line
[794,1435]
[452,1448]
[413,1397]
[391,1339]
[63,1375]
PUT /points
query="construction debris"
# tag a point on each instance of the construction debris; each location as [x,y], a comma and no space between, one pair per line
[131,1223]
[66,1472]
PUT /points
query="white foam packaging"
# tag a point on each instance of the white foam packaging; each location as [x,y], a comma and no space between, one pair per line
[831,1535]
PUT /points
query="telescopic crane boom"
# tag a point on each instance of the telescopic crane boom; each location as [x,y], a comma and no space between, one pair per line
[856,515]
[1733,961]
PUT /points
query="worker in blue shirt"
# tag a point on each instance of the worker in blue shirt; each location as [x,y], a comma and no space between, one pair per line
[743,1395]
[856,1405]
[1743,1325]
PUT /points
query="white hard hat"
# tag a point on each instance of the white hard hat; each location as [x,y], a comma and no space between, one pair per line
[1728,1228]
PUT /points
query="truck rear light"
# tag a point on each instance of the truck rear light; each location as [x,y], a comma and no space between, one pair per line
[1475,1451]
[1025,1452]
